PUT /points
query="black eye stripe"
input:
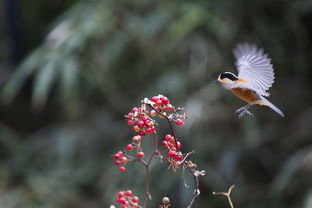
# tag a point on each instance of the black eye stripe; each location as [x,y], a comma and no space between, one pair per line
[229,76]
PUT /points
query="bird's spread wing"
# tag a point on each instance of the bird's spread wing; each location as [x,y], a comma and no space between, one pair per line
[255,67]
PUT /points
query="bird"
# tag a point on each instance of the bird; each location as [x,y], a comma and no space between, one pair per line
[255,76]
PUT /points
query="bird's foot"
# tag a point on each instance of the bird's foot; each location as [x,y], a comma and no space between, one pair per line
[243,113]
[243,110]
[240,109]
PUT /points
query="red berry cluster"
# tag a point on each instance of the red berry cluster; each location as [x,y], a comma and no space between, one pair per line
[120,158]
[140,122]
[173,147]
[126,200]
[140,118]
[162,103]
[136,143]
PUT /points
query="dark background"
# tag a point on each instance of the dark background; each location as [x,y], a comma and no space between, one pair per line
[70,70]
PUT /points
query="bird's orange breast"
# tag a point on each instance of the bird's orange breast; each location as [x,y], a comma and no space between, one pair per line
[247,95]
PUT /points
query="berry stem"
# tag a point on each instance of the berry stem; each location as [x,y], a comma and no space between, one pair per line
[227,194]
[146,165]
[147,194]
[196,191]
[191,169]
[170,125]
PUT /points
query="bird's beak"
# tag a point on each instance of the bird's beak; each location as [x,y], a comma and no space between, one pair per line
[216,81]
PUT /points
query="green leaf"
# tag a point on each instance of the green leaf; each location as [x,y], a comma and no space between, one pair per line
[21,74]
[69,84]
[43,83]
[289,169]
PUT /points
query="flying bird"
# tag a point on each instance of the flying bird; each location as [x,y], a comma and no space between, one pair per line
[255,77]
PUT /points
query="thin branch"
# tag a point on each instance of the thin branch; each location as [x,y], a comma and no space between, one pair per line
[147,164]
[227,194]
[170,124]
[155,149]
[147,194]
[190,167]
[135,159]
[195,173]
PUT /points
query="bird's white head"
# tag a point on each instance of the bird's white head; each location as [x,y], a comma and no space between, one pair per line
[227,79]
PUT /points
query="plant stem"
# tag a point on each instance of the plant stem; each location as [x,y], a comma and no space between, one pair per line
[147,164]
[192,170]
[170,124]
[195,175]
[147,194]
[227,194]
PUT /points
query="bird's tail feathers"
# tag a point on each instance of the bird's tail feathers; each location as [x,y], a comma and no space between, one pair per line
[273,107]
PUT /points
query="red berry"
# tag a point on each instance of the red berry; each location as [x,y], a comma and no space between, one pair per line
[136,128]
[122,200]
[173,148]
[153,128]
[136,138]
[148,130]
[120,194]
[179,157]
[129,147]
[169,107]
[158,102]
[179,144]
[140,154]
[117,162]
[179,122]
[126,204]
[168,137]
[135,199]
[134,110]
[142,133]
[135,205]
[164,100]
[116,156]
[144,118]
[140,123]
[130,122]
[148,123]
[164,143]
[129,193]
[155,98]
[172,153]
[118,200]
[172,140]
[124,160]
[122,168]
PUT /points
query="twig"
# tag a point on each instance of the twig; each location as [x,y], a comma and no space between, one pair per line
[170,124]
[147,194]
[227,194]
[147,164]
[195,174]
[190,167]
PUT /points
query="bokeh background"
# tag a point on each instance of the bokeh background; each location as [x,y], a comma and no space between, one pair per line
[70,70]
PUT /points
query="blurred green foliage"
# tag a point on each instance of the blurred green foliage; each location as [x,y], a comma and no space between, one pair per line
[63,106]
